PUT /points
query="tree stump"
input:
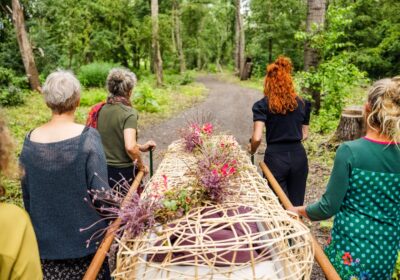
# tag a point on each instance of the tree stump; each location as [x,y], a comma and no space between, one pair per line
[351,126]
[247,70]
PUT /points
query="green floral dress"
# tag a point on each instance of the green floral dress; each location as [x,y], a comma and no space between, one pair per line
[364,194]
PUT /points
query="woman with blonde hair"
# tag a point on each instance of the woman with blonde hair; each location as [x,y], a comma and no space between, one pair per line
[363,192]
[286,117]
[19,255]
[63,163]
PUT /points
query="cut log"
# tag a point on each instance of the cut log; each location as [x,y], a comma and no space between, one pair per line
[351,125]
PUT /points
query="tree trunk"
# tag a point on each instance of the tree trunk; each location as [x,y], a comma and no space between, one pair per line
[177,28]
[239,38]
[25,46]
[155,44]
[315,16]
[351,126]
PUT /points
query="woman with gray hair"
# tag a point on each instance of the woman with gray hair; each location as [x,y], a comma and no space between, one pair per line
[364,192]
[63,163]
[117,125]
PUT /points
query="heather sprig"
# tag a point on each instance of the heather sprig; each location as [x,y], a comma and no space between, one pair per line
[137,215]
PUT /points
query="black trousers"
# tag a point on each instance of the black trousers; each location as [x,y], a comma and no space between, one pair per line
[289,164]
[122,178]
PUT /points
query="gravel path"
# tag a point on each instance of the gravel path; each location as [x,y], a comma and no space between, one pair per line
[229,105]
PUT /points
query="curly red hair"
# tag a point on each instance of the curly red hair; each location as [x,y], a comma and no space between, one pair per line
[279,87]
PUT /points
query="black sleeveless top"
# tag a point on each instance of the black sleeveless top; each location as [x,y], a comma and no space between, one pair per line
[283,128]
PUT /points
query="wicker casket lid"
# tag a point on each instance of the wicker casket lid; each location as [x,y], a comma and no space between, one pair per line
[247,235]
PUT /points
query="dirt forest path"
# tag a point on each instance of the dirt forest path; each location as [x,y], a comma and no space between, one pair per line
[229,104]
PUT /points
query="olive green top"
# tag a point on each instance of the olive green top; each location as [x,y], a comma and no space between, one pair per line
[113,119]
[19,253]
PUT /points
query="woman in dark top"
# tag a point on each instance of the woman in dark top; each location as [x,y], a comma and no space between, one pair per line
[62,162]
[286,117]
[363,192]
[117,125]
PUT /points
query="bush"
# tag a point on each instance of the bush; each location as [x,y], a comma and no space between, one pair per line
[93,96]
[11,96]
[6,76]
[95,74]
[145,99]
[9,78]
[187,79]
[335,79]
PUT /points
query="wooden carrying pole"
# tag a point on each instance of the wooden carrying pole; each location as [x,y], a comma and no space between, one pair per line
[320,256]
[98,259]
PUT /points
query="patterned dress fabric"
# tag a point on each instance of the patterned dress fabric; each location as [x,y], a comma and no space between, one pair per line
[366,230]
[71,269]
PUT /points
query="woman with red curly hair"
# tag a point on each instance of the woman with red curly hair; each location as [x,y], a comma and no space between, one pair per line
[286,117]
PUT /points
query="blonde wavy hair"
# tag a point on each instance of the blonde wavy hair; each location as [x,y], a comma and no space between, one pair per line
[6,148]
[384,101]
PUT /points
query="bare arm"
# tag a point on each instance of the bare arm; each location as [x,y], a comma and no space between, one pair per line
[131,146]
[258,127]
[299,210]
[305,130]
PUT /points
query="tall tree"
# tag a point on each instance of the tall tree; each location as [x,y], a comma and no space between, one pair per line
[155,44]
[25,45]
[176,17]
[315,22]
[239,38]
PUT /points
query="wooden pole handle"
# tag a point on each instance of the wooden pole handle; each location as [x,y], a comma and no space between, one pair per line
[99,257]
[320,256]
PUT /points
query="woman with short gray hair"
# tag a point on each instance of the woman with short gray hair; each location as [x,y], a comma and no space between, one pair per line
[63,161]
[116,121]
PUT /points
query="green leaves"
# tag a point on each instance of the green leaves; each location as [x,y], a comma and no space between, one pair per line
[170,204]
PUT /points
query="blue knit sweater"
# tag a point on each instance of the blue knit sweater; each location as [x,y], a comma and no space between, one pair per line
[57,177]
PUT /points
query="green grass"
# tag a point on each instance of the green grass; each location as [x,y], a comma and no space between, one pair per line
[172,99]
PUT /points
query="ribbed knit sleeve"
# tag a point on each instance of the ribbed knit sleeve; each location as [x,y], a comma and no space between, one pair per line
[96,167]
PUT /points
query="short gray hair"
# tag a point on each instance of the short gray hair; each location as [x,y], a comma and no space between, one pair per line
[62,91]
[120,82]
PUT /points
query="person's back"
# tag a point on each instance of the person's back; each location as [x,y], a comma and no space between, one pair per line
[363,192]
[55,185]
[286,116]
[370,212]
[19,255]
[63,167]
[112,120]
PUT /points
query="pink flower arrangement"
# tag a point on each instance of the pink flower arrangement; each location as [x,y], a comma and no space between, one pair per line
[216,165]
[207,129]
[195,134]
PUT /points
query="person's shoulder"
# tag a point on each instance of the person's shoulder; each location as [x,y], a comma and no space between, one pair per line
[262,103]
[13,215]
[354,144]
[303,101]
[127,111]
[90,132]
[352,148]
